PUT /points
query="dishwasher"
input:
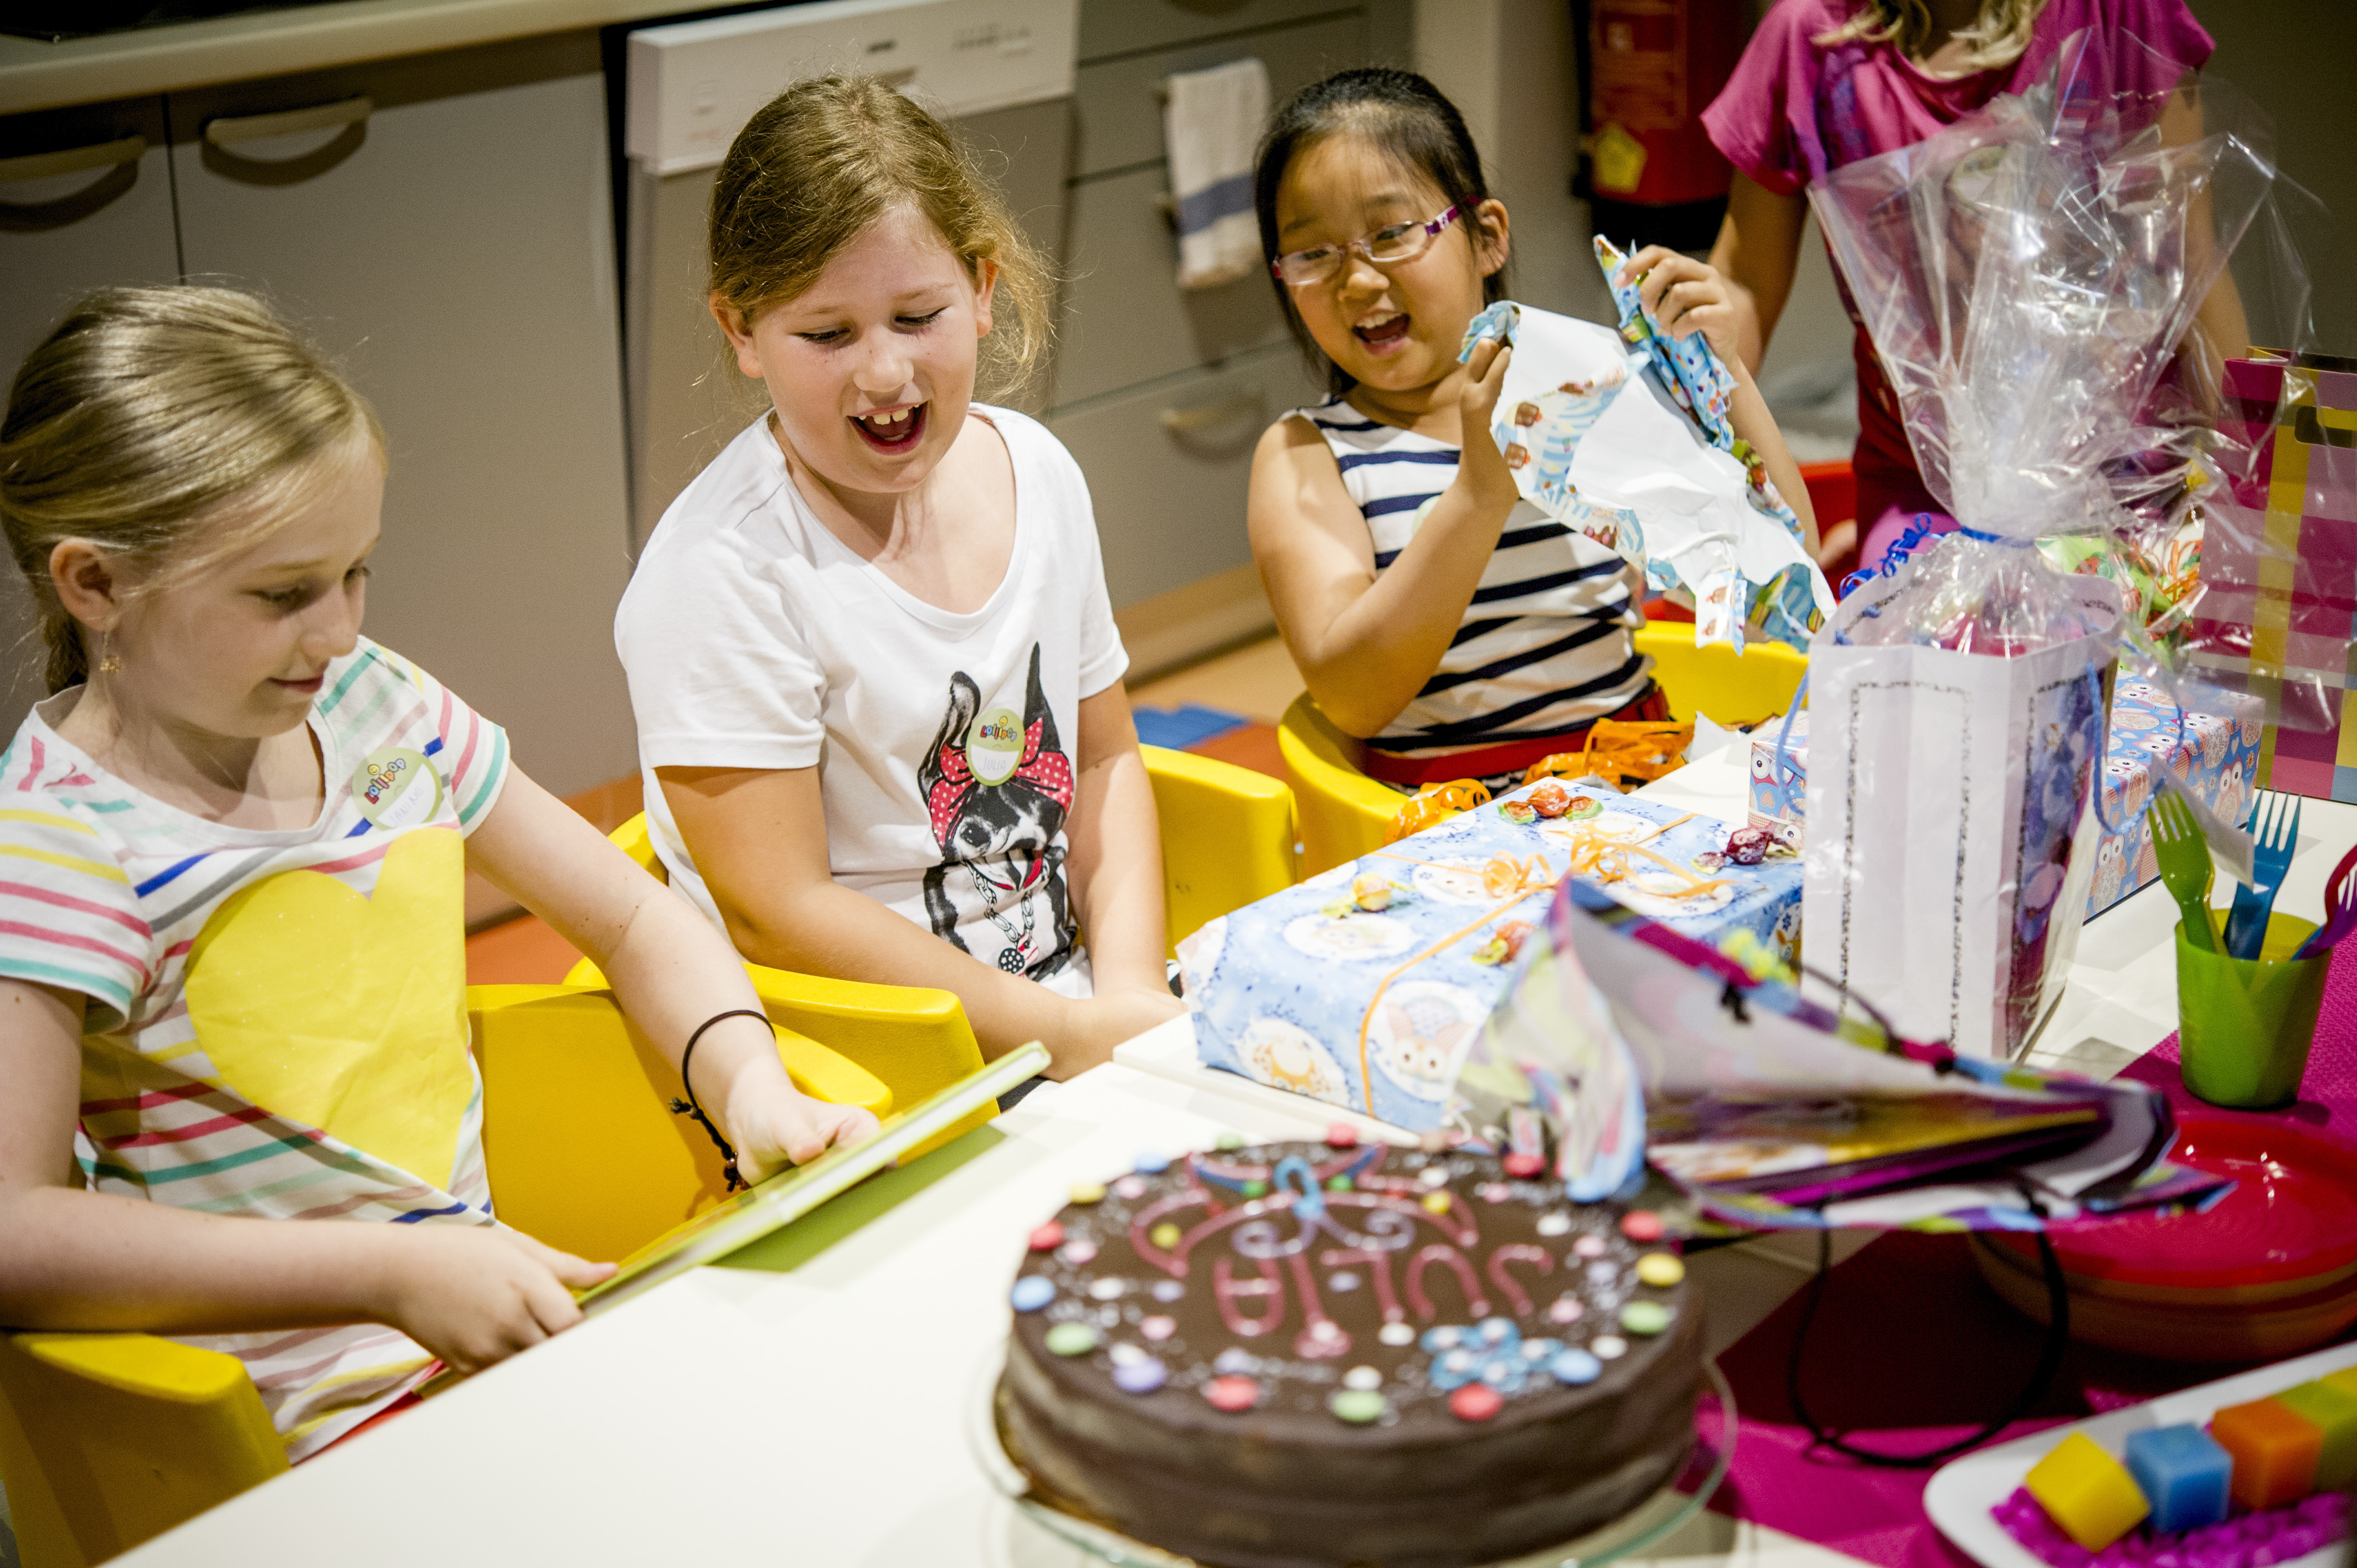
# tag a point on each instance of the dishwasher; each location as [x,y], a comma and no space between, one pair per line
[1001,73]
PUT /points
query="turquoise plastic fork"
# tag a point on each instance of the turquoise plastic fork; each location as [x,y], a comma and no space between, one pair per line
[2275,833]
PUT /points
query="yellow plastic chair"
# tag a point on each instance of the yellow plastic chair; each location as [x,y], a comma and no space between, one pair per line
[1726,687]
[109,1439]
[1227,837]
[1344,814]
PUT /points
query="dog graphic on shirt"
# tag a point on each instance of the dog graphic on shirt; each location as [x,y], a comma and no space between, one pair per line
[997,789]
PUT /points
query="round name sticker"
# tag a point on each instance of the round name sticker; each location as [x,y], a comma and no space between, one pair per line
[993,747]
[396,787]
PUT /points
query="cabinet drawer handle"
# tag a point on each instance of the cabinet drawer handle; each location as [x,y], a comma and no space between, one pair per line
[228,131]
[1204,416]
[72,160]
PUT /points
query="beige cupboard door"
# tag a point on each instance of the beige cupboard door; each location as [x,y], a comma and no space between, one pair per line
[1168,463]
[443,224]
[85,202]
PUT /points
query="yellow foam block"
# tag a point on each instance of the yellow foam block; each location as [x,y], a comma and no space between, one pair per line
[2089,1494]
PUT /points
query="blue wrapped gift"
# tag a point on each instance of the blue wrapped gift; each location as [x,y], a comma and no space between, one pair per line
[1365,985]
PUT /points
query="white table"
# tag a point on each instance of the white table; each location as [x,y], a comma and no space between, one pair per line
[738,1418]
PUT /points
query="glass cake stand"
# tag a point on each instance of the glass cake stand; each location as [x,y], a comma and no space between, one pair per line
[1646,1526]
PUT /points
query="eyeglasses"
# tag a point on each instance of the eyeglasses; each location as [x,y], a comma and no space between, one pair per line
[1387,246]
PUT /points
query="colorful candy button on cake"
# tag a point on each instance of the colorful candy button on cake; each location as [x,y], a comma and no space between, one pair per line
[2183,1473]
[2334,1412]
[2088,1493]
[2275,1449]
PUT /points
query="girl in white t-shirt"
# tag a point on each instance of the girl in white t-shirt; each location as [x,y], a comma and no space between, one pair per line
[875,675]
[232,944]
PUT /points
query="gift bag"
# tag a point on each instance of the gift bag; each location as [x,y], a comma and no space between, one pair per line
[2278,590]
[1950,843]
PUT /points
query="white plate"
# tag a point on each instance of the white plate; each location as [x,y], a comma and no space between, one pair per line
[1961,1495]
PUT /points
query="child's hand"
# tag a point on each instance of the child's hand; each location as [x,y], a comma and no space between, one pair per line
[476,1295]
[1686,296]
[1483,466]
[780,1127]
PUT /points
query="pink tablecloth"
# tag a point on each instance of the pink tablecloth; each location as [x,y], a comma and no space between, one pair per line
[1911,1351]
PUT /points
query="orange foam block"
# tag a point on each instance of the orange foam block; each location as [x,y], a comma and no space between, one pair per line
[2275,1449]
[2089,1494]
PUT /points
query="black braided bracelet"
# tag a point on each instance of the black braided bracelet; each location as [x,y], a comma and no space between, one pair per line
[692,1107]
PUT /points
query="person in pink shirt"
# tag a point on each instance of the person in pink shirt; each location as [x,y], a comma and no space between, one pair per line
[1827,82]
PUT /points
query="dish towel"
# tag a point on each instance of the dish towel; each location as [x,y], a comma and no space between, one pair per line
[1211,122]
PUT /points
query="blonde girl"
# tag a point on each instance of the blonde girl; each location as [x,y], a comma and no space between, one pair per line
[232,942]
[875,670]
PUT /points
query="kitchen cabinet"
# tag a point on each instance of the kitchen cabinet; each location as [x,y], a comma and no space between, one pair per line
[85,202]
[442,224]
[1161,391]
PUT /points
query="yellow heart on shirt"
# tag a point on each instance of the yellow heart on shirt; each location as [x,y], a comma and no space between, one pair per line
[345,1012]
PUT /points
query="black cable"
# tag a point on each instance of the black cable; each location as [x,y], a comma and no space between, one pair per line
[693,1109]
[2049,1361]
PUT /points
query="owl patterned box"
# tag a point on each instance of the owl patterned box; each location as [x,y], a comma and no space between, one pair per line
[2217,757]
[1365,985]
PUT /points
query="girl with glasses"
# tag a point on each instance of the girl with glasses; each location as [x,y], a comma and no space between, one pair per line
[1460,630]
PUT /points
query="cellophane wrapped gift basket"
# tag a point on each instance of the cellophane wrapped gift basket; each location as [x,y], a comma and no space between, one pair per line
[2028,276]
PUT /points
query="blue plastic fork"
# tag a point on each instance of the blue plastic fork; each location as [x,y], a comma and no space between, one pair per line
[2275,833]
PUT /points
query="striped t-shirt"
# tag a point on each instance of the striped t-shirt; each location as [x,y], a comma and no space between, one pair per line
[1544,646]
[276,1023]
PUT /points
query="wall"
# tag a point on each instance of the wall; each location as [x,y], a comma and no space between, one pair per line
[2293,59]
[1507,65]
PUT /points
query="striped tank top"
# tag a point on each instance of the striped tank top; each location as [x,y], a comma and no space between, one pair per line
[1544,645]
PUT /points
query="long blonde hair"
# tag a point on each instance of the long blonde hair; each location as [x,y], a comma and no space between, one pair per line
[172,427]
[1999,36]
[819,163]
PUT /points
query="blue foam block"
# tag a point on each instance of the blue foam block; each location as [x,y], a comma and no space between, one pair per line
[2184,1473]
[1179,728]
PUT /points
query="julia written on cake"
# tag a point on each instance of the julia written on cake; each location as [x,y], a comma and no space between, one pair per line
[1303,1355]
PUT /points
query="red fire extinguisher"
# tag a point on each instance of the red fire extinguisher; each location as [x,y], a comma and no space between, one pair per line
[1649,69]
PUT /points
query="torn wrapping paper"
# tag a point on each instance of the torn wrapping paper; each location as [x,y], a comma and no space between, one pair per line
[1772,1111]
[1365,985]
[1602,437]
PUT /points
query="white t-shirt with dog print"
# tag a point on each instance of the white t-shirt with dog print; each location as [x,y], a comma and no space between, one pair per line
[946,744]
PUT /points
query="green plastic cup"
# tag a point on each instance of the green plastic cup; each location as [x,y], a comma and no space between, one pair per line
[2244,1024]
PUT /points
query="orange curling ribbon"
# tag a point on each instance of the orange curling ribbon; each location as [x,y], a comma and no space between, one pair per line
[1620,748]
[1435,803]
[1607,860]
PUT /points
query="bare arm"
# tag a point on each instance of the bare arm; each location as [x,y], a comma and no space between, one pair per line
[1115,866]
[759,837]
[1366,645]
[1758,252]
[671,971]
[1686,297]
[71,1259]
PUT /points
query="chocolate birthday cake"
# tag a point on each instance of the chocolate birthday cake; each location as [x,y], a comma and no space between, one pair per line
[1303,1355]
